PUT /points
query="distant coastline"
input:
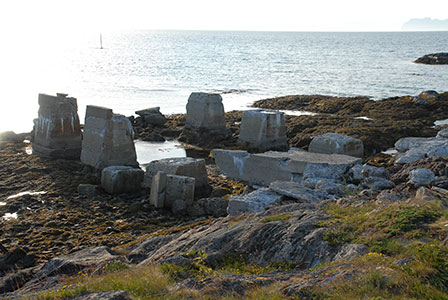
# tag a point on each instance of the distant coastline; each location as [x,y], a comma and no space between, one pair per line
[426,24]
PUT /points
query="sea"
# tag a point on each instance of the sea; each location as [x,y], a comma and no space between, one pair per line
[141,69]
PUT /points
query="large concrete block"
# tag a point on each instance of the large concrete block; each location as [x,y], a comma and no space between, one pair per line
[263,130]
[264,168]
[205,111]
[184,166]
[57,132]
[335,143]
[121,179]
[108,139]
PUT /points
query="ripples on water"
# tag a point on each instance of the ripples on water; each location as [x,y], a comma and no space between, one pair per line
[140,69]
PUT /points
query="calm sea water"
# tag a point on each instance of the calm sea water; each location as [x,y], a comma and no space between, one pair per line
[140,69]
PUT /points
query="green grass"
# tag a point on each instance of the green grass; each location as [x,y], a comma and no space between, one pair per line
[396,231]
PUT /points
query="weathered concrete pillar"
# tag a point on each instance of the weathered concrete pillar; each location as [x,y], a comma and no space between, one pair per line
[107,139]
[205,123]
[205,111]
[57,133]
[263,130]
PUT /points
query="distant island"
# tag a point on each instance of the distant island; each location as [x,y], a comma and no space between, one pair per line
[425,24]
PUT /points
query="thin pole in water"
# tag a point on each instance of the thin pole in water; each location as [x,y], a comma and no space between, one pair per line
[101,41]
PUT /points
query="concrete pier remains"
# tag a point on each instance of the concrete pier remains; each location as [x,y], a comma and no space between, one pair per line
[57,132]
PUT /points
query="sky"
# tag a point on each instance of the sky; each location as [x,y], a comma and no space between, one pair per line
[57,16]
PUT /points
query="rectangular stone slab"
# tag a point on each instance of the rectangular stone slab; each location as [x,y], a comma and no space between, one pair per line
[265,168]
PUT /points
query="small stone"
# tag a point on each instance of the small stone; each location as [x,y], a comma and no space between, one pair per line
[388,196]
[257,201]
[424,194]
[421,177]
[294,190]
[88,190]
[377,183]
[443,133]
[351,251]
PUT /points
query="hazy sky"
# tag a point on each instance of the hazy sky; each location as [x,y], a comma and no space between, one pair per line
[288,15]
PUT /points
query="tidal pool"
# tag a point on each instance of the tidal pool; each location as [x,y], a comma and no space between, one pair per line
[149,151]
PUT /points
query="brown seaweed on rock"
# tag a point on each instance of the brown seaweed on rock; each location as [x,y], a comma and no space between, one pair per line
[386,120]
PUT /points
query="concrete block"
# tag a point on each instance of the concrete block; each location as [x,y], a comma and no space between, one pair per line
[184,166]
[205,111]
[264,168]
[57,132]
[108,139]
[121,179]
[263,130]
[334,143]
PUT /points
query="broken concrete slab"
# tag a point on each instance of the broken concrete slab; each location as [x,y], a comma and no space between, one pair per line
[263,130]
[107,139]
[158,190]
[57,132]
[264,168]
[254,202]
[179,193]
[172,192]
[335,143]
[294,190]
[121,179]
[184,166]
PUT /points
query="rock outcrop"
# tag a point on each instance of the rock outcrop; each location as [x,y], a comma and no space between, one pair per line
[57,132]
[433,59]
[297,239]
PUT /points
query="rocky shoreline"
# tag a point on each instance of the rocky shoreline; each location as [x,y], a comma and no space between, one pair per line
[433,59]
[54,218]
